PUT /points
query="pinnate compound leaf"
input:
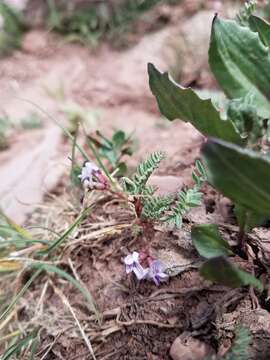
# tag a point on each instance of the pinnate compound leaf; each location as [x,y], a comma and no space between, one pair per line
[208,242]
[176,102]
[260,26]
[221,270]
[240,174]
[240,62]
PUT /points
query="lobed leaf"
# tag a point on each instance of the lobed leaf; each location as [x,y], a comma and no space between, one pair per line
[176,102]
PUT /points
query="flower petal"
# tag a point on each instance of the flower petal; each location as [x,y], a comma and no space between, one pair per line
[140,272]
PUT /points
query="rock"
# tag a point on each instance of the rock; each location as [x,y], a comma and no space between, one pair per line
[28,172]
[176,262]
[189,349]
[35,42]
[193,46]
[166,184]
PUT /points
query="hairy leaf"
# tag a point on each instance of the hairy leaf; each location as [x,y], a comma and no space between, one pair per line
[176,102]
[240,62]
[208,242]
[241,175]
[222,271]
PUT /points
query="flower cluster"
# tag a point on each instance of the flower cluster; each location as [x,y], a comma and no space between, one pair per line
[92,177]
[155,272]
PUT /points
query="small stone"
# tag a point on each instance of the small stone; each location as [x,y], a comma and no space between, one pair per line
[189,349]
[35,42]
[166,185]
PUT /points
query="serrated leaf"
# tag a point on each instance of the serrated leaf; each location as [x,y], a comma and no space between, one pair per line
[241,175]
[208,242]
[240,62]
[260,26]
[176,102]
[221,270]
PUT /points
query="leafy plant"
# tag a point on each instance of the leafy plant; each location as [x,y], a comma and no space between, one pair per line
[12,29]
[114,149]
[30,121]
[9,126]
[94,22]
[167,209]
[239,59]
[245,13]
[239,348]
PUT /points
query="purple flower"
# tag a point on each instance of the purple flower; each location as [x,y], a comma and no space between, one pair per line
[156,272]
[88,171]
[133,265]
[92,177]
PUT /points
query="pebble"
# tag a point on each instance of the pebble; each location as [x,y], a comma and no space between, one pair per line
[189,349]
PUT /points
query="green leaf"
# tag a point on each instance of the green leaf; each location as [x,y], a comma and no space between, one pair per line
[119,138]
[248,219]
[240,62]
[176,102]
[260,26]
[221,270]
[122,169]
[241,175]
[208,242]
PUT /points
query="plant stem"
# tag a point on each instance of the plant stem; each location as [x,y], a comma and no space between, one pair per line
[243,231]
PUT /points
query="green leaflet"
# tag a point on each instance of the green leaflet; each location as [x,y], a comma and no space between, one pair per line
[240,347]
[240,62]
[222,271]
[242,175]
[176,102]
[208,242]
[260,26]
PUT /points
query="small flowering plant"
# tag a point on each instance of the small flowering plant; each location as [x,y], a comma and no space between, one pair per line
[156,270]
[92,177]
[148,207]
